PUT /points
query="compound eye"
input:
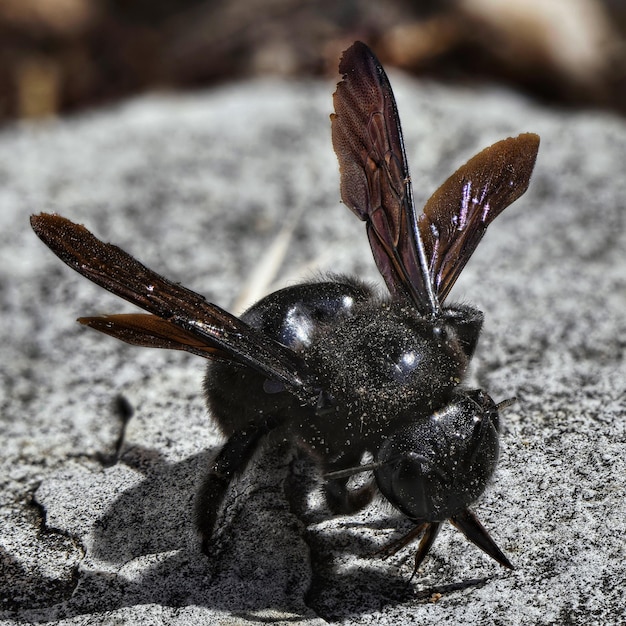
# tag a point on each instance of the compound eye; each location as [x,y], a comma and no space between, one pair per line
[413,487]
[408,476]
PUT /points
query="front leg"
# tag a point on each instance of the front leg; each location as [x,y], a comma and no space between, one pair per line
[343,501]
[340,498]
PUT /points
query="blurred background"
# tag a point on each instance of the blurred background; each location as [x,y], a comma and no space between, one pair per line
[58,56]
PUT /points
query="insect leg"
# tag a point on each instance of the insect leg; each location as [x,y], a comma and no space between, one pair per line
[343,500]
[429,532]
[230,461]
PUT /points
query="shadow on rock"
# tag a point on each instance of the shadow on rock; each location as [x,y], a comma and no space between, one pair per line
[156,515]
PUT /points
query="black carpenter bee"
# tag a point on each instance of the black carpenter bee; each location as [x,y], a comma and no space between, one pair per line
[331,365]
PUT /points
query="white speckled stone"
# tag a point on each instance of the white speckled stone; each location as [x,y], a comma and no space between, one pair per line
[197,186]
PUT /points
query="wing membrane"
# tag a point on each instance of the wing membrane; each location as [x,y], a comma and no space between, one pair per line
[150,331]
[186,320]
[375,183]
[418,257]
[458,213]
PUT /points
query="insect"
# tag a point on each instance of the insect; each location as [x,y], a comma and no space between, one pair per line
[332,365]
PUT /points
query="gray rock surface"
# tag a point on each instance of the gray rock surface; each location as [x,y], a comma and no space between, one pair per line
[198,187]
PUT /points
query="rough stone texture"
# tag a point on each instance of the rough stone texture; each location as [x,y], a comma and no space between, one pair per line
[198,187]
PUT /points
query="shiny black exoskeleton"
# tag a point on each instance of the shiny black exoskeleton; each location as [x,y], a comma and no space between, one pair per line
[330,365]
[391,382]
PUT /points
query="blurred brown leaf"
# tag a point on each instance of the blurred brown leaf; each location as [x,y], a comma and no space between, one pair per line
[63,55]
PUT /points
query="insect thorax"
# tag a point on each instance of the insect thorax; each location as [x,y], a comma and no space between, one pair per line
[379,363]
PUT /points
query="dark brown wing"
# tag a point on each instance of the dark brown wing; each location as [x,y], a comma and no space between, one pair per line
[150,331]
[458,213]
[421,258]
[184,319]
[375,180]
